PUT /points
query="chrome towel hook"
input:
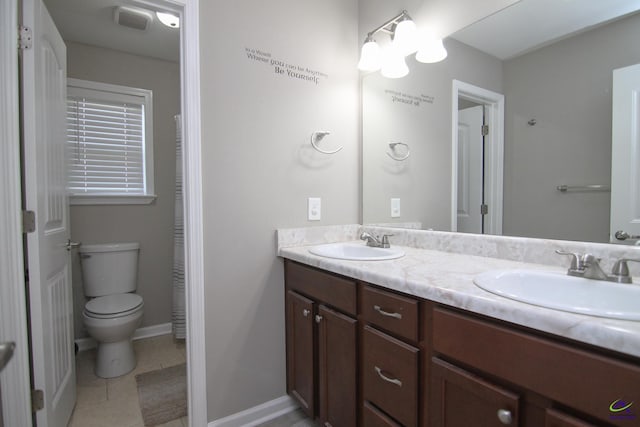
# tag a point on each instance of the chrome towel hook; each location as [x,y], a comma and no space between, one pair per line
[393,145]
[317,137]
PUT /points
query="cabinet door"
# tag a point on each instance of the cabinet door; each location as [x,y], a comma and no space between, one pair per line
[461,399]
[300,351]
[555,418]
[336,368]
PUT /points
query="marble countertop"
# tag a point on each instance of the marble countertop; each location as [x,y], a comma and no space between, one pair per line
[447,278]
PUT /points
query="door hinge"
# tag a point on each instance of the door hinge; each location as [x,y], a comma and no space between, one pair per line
[25,38]
[484,130]
[37,400]
[28,221]
[484,209]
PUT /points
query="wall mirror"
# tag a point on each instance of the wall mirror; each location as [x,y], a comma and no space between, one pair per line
[555,167]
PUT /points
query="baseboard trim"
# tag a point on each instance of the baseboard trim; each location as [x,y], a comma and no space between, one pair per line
[140,333]
[258,414]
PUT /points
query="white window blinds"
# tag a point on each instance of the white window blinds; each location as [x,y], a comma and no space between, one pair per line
[107,134]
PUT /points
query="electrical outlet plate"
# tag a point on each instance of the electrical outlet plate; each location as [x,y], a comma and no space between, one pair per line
[314,206]
[395,208]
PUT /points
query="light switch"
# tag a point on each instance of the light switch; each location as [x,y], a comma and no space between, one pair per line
[395,208]
[315,208]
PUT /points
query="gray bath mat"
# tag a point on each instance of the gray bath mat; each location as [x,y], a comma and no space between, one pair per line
[163,394]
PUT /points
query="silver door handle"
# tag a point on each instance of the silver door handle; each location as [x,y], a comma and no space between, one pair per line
[386,313]
[623,235]
[6,352]
[71,245]
[386,378]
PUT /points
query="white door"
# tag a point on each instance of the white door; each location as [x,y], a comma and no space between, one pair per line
[625,156]
[48,261]
[470,170]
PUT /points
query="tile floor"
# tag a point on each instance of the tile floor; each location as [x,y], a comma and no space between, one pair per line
[292,419]
[114,402]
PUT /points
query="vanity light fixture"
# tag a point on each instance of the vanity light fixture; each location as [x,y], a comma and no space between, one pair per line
[370,56]
[394,65]
[405,40]
[168,19]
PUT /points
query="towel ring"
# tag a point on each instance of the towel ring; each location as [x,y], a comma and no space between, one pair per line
[317,136]
[392,145]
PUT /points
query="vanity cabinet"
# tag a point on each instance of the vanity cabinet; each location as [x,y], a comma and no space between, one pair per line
[361,355]
[321,333]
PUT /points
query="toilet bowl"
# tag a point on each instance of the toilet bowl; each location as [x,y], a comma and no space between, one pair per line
[113,312]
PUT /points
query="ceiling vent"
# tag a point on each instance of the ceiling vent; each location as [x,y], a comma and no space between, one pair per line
[133,18]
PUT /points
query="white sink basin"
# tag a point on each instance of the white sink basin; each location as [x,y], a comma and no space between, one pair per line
[561,292]
[356,252]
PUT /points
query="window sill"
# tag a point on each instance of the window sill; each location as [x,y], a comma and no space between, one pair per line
[109,199]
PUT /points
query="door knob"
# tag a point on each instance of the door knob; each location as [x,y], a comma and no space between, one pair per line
[71,245]
[623,235]
[6,352]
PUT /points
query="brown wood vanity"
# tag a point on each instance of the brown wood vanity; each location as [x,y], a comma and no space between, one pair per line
[362,355]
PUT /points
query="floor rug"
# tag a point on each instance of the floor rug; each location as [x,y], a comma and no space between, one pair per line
[163,394]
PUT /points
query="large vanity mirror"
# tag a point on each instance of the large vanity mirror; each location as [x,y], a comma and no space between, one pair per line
[555,167]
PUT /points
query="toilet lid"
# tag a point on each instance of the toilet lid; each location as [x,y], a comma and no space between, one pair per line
[113,304]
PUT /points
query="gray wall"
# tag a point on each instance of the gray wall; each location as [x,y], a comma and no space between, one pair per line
[423,181]
[566,87]
[151,225]
[259,169]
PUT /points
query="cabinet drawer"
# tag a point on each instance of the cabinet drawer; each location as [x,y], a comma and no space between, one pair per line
[586,381]
[372,417]
[390,375]
[324,287]
[391,312]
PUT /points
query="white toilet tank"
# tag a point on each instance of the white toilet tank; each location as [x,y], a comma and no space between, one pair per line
[110,268]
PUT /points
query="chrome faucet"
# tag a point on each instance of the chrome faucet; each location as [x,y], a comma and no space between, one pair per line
[374,241]
[588,266]
[592,269]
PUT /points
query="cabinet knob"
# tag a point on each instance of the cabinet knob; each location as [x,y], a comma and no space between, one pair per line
[318,318]
[505,416]
[305,312]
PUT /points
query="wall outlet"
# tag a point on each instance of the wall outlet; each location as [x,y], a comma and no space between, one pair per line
[395,208]
[314,205]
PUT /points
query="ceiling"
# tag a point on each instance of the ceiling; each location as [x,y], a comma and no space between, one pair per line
[91,22]
[520,28]
[531,24]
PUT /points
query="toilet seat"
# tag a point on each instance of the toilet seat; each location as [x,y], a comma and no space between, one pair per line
[110,306]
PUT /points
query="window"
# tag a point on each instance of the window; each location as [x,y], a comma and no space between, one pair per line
[110,141]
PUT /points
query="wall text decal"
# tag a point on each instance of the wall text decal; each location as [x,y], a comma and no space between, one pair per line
[403,98]
[283,68]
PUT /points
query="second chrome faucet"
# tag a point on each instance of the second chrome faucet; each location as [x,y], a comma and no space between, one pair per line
[588,266]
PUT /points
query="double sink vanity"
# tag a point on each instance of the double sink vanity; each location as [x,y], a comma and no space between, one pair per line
[432,331]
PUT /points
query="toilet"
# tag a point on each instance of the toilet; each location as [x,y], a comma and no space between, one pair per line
[113,311]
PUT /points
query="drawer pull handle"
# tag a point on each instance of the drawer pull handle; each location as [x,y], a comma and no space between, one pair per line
[386,378]
[305,312]
[318,318]
[505,416]
[386,313]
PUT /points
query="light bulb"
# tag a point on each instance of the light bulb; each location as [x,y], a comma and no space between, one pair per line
[405,37]
[394,65]
[432,50]
[370,56]
[168,19]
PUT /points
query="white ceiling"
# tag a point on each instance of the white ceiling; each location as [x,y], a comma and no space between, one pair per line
[520,28]
[91,22]
[531,24]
